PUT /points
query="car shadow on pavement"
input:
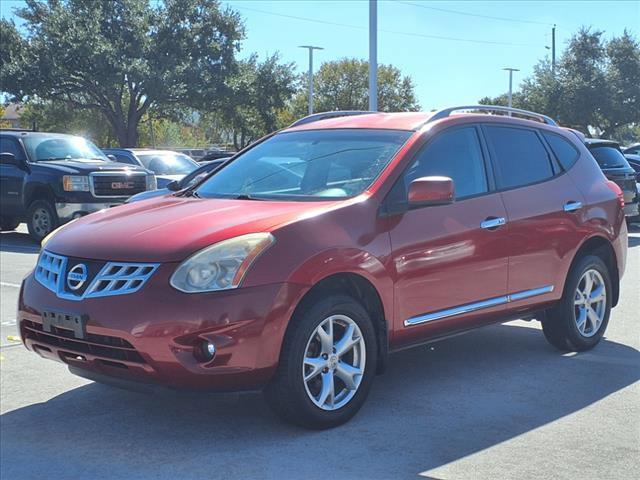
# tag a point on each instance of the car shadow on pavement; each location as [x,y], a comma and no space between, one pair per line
[434,405]
[17,242]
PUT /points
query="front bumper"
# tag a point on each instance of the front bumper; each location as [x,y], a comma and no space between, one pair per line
[68,211]
[150,337]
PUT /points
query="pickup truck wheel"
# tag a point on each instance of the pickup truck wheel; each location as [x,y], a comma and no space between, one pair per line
[8,223]
[327,364]
[41,219]
[578,321]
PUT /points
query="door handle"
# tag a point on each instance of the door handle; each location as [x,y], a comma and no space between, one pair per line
[491,223]
[572,206]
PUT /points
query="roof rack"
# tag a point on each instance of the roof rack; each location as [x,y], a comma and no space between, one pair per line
[494,108]
[325,115]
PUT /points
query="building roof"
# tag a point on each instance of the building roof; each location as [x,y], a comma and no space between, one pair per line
[12,112]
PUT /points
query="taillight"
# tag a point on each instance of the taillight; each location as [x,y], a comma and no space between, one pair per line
[615,188]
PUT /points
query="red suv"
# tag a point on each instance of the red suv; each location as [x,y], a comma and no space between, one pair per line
[299,265]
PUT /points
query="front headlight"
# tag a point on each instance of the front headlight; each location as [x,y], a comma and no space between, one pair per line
[75,183]
[152,182]
[221,266]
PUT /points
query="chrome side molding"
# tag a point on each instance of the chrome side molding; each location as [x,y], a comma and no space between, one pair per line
[472,307]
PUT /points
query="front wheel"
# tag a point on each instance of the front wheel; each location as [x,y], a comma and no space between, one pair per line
[580,319]
[327,364]
[41,219]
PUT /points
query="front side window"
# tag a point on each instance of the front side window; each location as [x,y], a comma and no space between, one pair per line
[168,163]
[42,148]
[455,154]
[307,165]
[609,157]
[10,145]
[520,156]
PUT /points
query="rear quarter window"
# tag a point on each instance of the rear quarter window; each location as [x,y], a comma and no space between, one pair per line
[519,155]
[564,151]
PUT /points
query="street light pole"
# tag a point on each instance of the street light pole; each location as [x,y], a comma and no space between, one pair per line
[373,55]
[553,49]
[311,49]
[510,70]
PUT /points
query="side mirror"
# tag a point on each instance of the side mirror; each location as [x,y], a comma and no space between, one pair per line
[173,186]
[427,191]
[112,157]
[9,159]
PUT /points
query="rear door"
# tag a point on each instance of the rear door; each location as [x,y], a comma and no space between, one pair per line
[450,265]
[543,211]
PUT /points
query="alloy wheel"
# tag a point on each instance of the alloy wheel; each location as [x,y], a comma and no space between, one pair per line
[590,303]
[334,362]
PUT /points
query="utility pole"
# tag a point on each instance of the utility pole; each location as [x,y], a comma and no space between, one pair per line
[553,49]
[510,70]
[373,55]
[311,49]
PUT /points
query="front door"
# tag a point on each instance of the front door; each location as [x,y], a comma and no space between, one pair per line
[11,178]
[450,261]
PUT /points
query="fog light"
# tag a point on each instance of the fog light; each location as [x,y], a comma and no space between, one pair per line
[206,351]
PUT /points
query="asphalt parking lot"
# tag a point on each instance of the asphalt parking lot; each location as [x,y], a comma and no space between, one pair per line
[498,403]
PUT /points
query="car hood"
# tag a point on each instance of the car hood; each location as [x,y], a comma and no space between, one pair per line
[148,194]
[85,166]
[169,229]
[164,180]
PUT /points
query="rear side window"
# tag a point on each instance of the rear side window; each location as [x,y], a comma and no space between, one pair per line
[520,156]
[455,154]
[566,153]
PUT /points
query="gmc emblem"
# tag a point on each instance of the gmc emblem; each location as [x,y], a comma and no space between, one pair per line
[121,185]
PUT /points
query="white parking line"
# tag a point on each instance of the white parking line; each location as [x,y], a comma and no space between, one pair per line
[8,284]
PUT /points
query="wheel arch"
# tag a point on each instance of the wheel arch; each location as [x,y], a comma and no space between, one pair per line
[362,290]
[38,191]
[601,247]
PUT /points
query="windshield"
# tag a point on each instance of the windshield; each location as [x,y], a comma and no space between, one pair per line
[609,157]
[168,163]
[307,165]
[42,148]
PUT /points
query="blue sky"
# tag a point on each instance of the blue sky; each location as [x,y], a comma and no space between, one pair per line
[445,71]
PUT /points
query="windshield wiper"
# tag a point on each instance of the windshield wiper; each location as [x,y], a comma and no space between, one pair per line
[246,196]
[189,193]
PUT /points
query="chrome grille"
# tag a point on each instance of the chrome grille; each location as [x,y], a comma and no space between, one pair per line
[119,279]
[114,184]
[114,278]
[50,269]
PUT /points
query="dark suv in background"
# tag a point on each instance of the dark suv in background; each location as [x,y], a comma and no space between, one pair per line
[616,168]
[47,179]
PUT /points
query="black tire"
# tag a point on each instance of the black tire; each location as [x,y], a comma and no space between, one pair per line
[41,219]
[559,323]
[287,395]
[8,223]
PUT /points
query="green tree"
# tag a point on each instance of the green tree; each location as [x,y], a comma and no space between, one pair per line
[344,85]
[596,86]
[258,92]
[121,58]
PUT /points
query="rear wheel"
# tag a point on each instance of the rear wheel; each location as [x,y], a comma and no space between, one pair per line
[580,319]
[327,364]
[41,219]
[8,223]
